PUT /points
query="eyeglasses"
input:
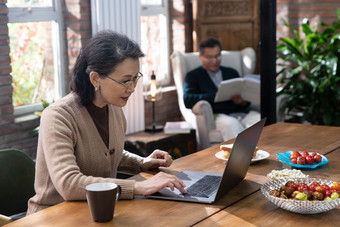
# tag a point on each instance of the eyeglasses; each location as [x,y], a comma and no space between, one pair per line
[129,83]
[211,59]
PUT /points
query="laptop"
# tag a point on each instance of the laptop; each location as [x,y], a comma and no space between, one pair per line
[204,187]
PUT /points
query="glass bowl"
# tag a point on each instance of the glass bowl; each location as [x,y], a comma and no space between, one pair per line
[284,158]
[298,206]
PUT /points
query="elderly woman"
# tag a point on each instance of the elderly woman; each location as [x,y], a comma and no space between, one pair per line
[81,138]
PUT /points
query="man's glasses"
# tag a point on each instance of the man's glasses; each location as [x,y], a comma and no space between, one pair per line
[211,59]
[129,83]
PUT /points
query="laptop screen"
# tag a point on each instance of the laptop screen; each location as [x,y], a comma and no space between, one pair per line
[240,157]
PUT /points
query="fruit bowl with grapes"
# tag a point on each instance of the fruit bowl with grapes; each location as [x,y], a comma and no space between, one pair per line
[303,195]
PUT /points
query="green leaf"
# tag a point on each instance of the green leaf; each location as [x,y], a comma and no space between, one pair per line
[306,27]
[291,46]
[310,72]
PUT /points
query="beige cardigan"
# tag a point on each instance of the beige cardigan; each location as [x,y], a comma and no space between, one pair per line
[71,154]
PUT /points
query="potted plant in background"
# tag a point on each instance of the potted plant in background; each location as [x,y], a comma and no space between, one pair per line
[310,73]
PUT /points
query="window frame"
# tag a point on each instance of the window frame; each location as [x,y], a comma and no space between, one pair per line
[51,13]
[152,10]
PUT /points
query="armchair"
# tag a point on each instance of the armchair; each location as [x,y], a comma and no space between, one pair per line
[201,116]
[17,184]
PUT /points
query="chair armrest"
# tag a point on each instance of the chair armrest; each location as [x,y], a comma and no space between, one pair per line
[248,58]
[203,108]
[206,124]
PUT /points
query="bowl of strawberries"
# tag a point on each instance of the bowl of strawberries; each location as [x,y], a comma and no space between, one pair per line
[302,159]
[303,195]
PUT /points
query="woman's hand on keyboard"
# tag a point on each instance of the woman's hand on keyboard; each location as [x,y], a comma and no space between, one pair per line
[157,182]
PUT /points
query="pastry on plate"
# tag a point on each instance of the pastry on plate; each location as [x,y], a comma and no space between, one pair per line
[226,149]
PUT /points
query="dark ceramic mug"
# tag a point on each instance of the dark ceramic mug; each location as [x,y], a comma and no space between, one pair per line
[102,198]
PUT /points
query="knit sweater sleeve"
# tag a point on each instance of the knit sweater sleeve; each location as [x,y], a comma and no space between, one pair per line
[59,143]
[130,163]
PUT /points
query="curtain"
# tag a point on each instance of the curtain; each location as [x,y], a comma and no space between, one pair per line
[123,16]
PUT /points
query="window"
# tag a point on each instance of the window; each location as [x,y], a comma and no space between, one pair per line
[154,40]
[35,34]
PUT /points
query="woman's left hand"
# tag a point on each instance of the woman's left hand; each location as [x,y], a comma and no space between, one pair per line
[157,158]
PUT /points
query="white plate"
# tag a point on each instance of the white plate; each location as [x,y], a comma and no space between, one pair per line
[260,155]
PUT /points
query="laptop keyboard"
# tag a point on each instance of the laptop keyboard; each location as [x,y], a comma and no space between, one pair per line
[204,187]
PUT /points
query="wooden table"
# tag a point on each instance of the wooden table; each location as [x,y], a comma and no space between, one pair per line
[242,206]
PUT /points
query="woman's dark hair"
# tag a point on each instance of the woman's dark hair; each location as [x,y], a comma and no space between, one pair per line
[104,51]
[210,43]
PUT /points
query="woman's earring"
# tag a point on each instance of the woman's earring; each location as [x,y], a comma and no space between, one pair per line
[96,88]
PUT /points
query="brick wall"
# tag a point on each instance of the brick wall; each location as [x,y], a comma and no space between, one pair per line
[294,11]
[181,25]
[166,109]
[6,108]
[12,133]
[77,20]
[17,132]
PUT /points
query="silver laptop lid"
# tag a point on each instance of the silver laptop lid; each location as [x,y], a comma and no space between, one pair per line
[240,157]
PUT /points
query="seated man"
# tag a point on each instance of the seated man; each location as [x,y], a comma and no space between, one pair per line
[234,115]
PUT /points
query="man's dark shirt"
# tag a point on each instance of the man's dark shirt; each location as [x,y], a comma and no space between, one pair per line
[199,86]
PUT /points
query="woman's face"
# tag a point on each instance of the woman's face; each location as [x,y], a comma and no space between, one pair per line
[110,91]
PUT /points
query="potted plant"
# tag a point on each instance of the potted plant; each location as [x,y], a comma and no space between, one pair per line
[310,73]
